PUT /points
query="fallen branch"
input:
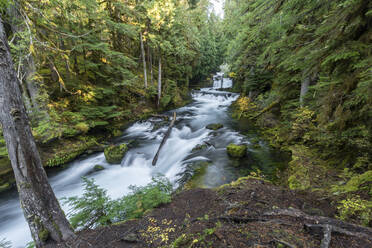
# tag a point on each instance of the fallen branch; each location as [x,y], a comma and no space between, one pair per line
[166,136]
[284,243]
[209,144]
[272,105]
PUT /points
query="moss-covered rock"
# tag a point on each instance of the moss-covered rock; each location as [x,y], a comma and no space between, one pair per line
[199,147]
[236,151]
[214,126]
[115,153]
[196,180]
[98,167]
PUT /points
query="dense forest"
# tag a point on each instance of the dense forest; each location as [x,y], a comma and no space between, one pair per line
[88,67]
[305,72]
[282,158]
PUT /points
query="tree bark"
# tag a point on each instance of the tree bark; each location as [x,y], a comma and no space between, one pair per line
[150,65]
[159,81]
[143,60]
[304,89]
[42,211]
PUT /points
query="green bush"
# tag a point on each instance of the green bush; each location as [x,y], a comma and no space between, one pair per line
[95,208]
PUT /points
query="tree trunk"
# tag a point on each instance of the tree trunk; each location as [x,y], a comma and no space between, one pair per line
[304,88]
[42,211]
[143,60]
[151,71]
[166,136]
[26,68]
[159,81]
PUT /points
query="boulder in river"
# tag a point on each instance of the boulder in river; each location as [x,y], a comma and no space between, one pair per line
[115,153]
[214,126]
[236,151]
[98,167]
[199,147]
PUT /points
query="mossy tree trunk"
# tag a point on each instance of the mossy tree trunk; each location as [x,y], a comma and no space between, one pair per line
[42,211]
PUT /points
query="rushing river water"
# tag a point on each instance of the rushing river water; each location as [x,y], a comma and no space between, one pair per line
[209,106]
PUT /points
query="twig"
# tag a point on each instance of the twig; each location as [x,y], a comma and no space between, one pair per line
[284,243]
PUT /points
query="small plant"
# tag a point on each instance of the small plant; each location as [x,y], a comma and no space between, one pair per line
[95,208]
[356,207]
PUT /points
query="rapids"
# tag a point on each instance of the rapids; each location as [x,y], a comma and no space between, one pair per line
[209,106]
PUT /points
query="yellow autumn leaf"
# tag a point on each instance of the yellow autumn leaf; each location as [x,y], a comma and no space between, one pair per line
[31,48]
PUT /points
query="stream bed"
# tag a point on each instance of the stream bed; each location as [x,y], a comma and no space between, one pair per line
[209,105]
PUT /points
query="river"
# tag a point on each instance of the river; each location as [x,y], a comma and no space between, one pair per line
[209,105]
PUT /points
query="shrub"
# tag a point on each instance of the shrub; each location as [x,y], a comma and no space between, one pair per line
[95,208]
[356,207]
[82,126]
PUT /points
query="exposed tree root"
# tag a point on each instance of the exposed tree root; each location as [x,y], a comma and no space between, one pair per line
[325,226]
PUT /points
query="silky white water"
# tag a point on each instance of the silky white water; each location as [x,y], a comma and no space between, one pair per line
[209,106]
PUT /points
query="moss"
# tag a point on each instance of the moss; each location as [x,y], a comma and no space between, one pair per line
[236,151]
[82,126]
[199,148]
[71,151]
[98,167]
[240,181]
[115,153]
[200,168]
[181,241]
[214,126]
[43,235]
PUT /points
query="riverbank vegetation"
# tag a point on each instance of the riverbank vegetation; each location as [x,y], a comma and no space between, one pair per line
[304,69]
[87,68]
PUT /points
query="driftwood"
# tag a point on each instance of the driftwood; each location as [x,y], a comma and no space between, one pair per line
[166,136]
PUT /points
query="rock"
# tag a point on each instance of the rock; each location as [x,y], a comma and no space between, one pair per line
[131,238]
[115,153]
[98,167]
[236,151]
[214,126]
[199,147]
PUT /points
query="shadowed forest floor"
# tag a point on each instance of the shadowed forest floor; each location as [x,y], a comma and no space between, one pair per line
[246,213]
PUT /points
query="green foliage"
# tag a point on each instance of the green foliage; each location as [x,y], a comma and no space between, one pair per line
[273,48]
[78,60]
[95,208]
[356,208]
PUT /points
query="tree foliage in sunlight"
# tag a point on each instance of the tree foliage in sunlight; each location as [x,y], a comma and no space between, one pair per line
[80,61]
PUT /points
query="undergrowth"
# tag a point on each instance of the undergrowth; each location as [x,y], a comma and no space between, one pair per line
[95,208]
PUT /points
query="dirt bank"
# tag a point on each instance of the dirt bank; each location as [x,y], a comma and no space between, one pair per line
[247,213]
